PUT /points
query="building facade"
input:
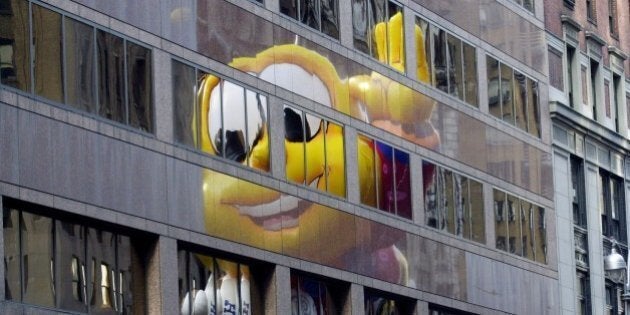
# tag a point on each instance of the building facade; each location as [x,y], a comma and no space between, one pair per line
[280,156]
[589,97]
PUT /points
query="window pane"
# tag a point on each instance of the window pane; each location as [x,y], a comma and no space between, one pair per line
[227,286]
[470,74]
[520,100]
[38,263]
[446,197]
[310,13]
[514,225]
[101,256]
[183,283]
[245,290]
[140,82]
[500,218]
[48,65]
[423,49]
[12,272]
[527,229]
[462,207]
[71,265]
[15,70]
[257,131]
[125,279]
[556,71]
[507,94]
[294,135]
[385,177]
[367,171]
[541,235]
[330,17]
[403,184]
[429,178]
[315,150]
[234,145]
[494,87]
[454,55]
[335,160]
[289,7]
[184,103]
[533,110]
[476,212]
[111,78]
[440,76]
[80,66]
[362,23]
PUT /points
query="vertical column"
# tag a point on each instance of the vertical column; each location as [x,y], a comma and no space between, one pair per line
[282,281]
[482,79]
[2,270]
[163,103]
[417,196]
[345,24]
[276,136]
[272,5]
[411,62]
[352,176]
[162,296]
[422,307]
[356,298]
[488,205]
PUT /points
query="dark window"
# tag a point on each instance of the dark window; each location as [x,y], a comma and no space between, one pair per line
[15,70]
[377,302]
[571,68]
[80,65]
[66,264]
[310,295]
[322,15]
[615,99]
[578,193]
[612,206]
[47,54]
[583,292]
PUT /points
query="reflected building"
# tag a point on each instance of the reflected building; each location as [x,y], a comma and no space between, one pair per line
[280,156]
[588,94]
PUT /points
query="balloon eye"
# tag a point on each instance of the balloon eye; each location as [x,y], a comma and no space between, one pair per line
[237,118]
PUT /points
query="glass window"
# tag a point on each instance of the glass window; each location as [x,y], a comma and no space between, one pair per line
[219,117]
[139,87]
[377,28]
[555,68]
[321,15]
[612,18]
[68,265]
[15,53]
[377,303]
[311,296]
[80,66]
[384,177]
[111,74]
[520,227]
[209,285]
[315,151]
[453,202]
[47,56]
[612,206]
[513,97]
[451,63]
[12,272]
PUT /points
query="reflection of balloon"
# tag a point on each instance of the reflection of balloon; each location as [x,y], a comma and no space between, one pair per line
[302,303]
[209,290]
[245,212]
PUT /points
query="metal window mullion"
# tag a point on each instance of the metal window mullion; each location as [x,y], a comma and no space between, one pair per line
[247,148]
[304,161]
[95,71]
[394,186]
[223,134]
[318,7]
[325,127]
[31,48]
[126,81]
[64,65]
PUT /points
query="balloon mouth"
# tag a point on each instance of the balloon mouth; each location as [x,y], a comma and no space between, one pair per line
[282,213]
